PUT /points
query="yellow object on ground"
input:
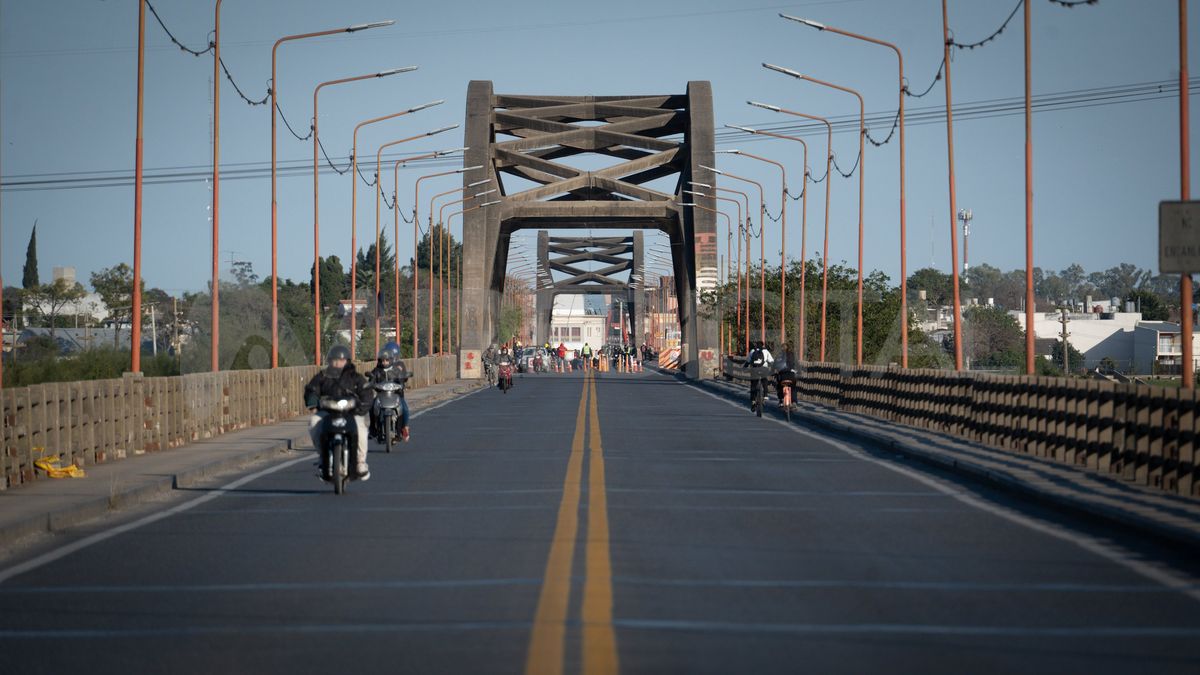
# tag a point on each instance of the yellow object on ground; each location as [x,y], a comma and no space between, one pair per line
[53,469]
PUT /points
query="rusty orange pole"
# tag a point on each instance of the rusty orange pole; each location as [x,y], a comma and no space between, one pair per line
[1030,301]
[396,213]
[216,191]
[828,168]
[958,355]
[441,235]
[862,165]
[803,230]
[378,192]
[762,257]
[135,334]
[783,237]
[274,91]
[743,228]
[316,202]
[1185,191]
[900,113]
[353,214]
[728,234]
[416,225]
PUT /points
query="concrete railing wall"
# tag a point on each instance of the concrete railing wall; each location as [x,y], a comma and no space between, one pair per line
[1146,435]
[102,420]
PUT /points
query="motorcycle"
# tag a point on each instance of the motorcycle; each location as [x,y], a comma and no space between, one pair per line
[387,410]
[339,438]
[506,372]
[538,365]
[489,370]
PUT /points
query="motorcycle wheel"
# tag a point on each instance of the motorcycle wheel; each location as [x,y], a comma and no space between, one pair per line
[339,469]
[388,425]
[787,403]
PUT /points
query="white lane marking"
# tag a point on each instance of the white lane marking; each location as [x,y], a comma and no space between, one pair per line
[909,629]
[67,549]
[273,586]
[1090,544]
[62,551]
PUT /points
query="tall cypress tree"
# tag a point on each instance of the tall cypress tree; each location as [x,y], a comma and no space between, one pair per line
[30,278]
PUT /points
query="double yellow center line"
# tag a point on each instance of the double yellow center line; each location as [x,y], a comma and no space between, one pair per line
[547,643]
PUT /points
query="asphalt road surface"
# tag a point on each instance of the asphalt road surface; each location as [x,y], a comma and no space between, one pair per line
[598,525]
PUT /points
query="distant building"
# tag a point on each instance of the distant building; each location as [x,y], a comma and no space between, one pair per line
[576,319]
[1158,349]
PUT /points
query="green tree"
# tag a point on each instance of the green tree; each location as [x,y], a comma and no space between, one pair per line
[938,286]
[1076,364]
[992,338]
[333,282]
[1153,307]
[114,285]
[48,300]
[29,276]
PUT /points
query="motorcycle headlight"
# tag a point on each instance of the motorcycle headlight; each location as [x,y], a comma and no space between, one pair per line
[339,422]
[345,404]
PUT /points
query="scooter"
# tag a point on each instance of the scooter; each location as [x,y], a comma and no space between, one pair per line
[506,372]
[387,410]
[339,438]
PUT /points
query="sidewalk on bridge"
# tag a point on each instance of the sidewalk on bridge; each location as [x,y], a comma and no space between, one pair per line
[1082,491]
[51,505]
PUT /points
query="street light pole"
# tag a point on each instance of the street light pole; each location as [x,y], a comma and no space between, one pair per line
[1185,191]
[862,165]
[782,246]
[378,192]
[828,169]
[316,200]
[354,205]
[958,352]
[441,263]
[135,335]
[743,227]
[416,262]
[274,92]
[216,195]
[900,113]
[728,230]
[762,209]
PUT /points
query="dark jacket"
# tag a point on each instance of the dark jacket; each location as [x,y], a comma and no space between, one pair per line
[339,384]
[397,373]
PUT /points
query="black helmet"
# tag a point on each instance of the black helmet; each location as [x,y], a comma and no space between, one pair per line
[337,352]
[386,354]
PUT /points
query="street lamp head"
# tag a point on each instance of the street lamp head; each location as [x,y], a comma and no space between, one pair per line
[374,24]
[729,152]
[427,105]
[485,192]
[493,203]
[694,192]
[716,171]
[440,153]
[395,71]
[765,106]
[785,71]
[806,22]
[479,182]
[468,168]
[745,129]
[703,185]
[687,204]
[438,131]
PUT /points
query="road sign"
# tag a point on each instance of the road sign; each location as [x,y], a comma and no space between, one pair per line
[1178,237]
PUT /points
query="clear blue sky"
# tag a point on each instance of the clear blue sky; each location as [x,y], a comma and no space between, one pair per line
[67,95]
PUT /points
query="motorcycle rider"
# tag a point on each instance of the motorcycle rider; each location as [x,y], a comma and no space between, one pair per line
[504,358]
[389,368]
[586,353]
[339,379]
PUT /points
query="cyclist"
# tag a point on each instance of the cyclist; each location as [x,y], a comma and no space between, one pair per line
[758,361]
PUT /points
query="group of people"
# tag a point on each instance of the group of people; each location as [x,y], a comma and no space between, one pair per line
[764,365]
[340,379]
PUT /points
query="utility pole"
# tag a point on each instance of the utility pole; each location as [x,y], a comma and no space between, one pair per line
[1066,348]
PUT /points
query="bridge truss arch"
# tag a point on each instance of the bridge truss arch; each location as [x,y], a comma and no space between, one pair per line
[642,139]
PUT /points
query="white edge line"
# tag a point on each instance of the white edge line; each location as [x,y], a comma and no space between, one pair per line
[1087,543]
[67,549]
